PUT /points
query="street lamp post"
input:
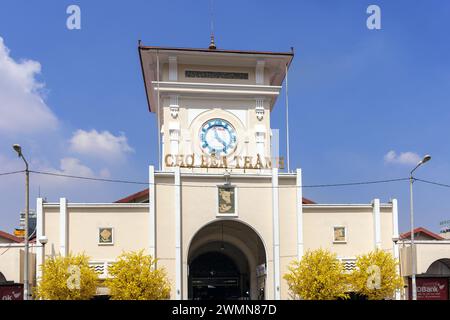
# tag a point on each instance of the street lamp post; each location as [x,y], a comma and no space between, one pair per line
[413,249]
[18,149]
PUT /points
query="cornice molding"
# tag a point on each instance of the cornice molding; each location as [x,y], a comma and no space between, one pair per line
[215,88]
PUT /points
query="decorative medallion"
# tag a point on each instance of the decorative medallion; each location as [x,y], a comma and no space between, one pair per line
[105,235]
[340,234]
[226,200]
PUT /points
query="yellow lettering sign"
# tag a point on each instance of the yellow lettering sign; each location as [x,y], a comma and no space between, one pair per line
[237,162]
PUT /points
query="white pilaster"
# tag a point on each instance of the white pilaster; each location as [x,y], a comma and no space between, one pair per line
[173,69]
[39,234]
[174,136]
[276,235]
[376,223]
[395,237]
[163,146]
[63,227]
[151,211]
[178,256]
[260,72]
[299,215]
[395,233]
[260,137]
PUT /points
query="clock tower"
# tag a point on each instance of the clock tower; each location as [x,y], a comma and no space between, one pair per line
[213,107]
[217,215]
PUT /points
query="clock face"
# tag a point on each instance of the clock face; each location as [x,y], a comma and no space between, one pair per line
[218,137]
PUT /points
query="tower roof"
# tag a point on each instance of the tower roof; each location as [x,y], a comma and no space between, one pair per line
[274,62]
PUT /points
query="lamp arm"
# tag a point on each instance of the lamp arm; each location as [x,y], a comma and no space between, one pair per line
[24,160]
[415,168]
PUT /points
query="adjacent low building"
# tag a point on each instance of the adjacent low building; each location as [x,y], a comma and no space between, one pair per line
[432,256]
[12,266]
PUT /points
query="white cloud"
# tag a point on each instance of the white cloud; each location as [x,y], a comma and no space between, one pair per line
[407,158]
[26,118]
[73,166]
[103,144]
[67,165]
[59,185]
[22,106]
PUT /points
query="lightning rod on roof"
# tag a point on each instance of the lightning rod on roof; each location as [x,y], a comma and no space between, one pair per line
[212,45]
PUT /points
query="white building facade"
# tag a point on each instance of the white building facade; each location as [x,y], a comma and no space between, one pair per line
[221,214]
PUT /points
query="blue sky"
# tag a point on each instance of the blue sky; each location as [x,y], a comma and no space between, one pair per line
[355,94]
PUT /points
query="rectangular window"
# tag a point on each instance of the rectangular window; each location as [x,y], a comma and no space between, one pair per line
[340,234]
[216,75]
[105,236]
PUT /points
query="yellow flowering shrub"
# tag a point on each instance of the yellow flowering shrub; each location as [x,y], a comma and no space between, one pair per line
[134,277]
[66,278]
[376,276]
[319,275]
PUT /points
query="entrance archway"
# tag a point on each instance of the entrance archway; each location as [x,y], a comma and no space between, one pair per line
[227,260]
[439,267]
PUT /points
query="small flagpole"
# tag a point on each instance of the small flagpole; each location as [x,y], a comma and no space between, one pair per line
[287,122]
[157,113]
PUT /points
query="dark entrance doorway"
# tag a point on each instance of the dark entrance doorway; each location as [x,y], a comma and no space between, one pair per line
[214,275]
[226,260]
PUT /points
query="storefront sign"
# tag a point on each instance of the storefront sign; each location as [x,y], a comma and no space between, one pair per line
[11,292]
[236,162]
[430,288]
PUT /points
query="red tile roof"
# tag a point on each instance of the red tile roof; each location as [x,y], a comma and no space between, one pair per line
[143,195]
[307,201]
[9,236]
[135,197]
[407,235]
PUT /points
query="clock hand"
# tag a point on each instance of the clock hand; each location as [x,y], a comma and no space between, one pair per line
[216,135]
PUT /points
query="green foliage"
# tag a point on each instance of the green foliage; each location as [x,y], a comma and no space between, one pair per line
[67,278]
[319,275]
[134,277]
[376,275]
